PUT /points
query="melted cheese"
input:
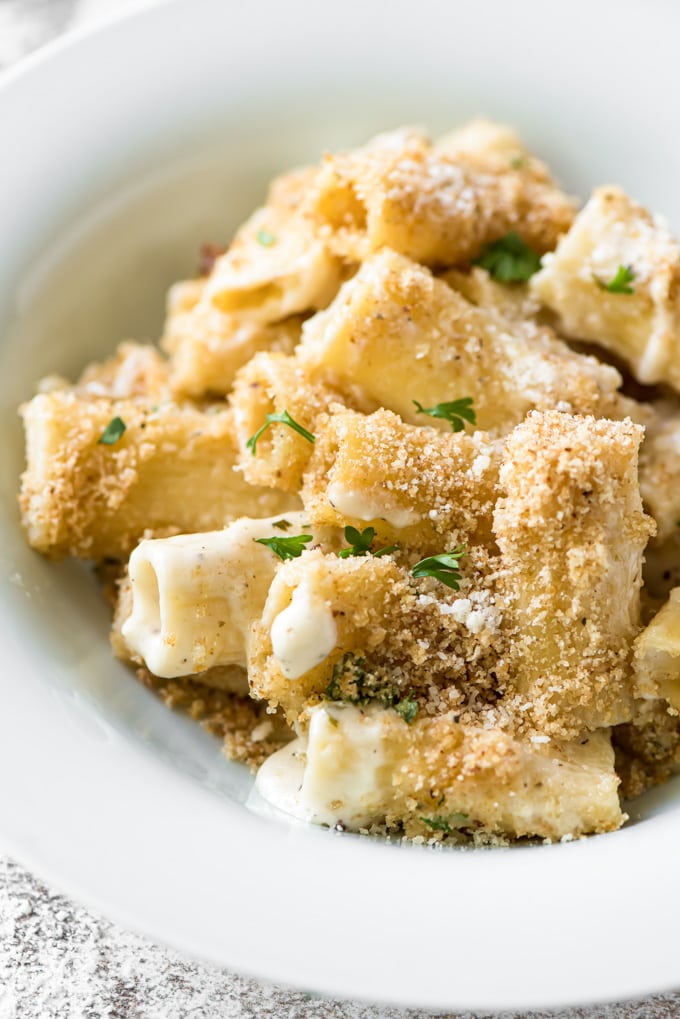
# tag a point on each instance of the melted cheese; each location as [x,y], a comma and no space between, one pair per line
[303,634]
[363,505]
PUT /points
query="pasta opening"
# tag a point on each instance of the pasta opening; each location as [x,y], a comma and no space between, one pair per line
[342,209]
[146,596]
[245,299]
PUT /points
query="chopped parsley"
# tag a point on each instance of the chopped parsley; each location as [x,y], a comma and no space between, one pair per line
[113,432]
[350,680]
[456,412]
[443,824]
[282,525]
[286,548]
[360,543]
[437,824]
[509,260]
[517,161]
[353,682]
[407,708]
[266,238]
[284,419]
[444,567]
[620,284]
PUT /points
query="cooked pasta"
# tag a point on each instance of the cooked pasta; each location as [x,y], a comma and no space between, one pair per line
[384,509]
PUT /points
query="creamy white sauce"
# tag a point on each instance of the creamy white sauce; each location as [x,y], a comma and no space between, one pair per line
[338,773]
[303,634]
[279,779]
[195,595]
[360,505]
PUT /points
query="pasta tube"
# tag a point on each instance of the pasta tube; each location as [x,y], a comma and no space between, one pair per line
[614,279]
[357,767]
[194,596]
[168,467]
[571,533]
[403,336]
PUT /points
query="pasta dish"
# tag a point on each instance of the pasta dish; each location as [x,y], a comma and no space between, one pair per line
[393,509]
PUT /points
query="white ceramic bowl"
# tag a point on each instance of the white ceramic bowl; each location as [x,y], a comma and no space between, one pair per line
[123,149]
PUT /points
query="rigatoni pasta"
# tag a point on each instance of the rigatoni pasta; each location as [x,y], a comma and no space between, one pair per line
[374,510]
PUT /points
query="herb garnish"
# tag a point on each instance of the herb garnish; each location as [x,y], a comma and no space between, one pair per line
[113,432]
[444,825]
[407,708]
[509,260]
[360,543]
[354,683]
[286,548]
[437,824]
[456,412]
[444,567]
[282,525]
[620,284]
[285,419]
[266,238]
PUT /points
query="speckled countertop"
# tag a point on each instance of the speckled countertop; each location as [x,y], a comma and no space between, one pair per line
[59,961]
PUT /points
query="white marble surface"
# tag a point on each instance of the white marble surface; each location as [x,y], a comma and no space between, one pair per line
[58,960]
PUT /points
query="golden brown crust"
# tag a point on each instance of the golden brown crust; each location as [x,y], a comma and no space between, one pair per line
[571,533]
[172,470]
[418,486]
[399,192]
[207,347]
[647,748]
[272,383]
[641,326]
[401,335]
[408,636]
[250,733]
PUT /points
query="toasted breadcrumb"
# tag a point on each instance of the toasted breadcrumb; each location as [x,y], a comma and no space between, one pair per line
[249,732]
[571,533]
[401,193]
[647,748]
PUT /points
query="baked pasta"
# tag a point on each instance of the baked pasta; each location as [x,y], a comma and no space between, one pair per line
[381,510]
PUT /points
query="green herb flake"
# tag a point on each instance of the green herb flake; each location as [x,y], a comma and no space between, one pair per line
[352,670]
[444,567]
[286,548]
[282,525]
[445,824]
[517,161]
[113,432]
[360,543]
[266,238]
[284,419]
[509,260]
[407,708]
[438,824]
[332,720]
[620,284]
[386,550]
[353,682]
[456,412]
